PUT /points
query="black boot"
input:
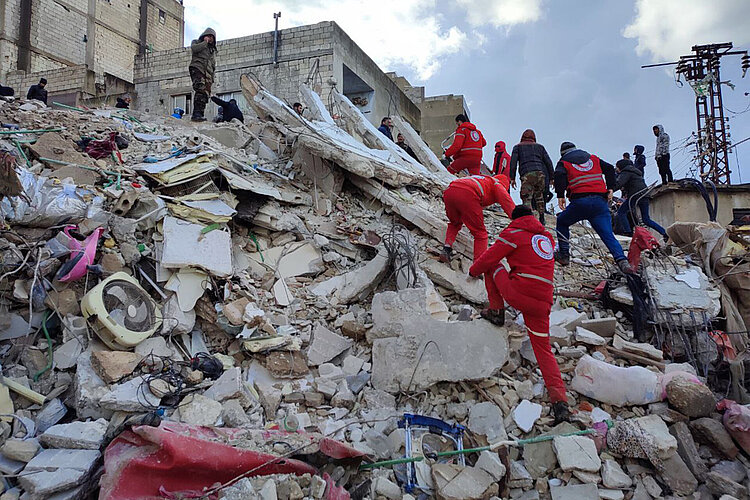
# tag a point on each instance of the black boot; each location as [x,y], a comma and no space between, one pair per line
[198,117]
[561,412]
[562,258]
[494,316]
[445,257]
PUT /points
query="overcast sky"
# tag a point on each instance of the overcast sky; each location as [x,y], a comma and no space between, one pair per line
[570,70]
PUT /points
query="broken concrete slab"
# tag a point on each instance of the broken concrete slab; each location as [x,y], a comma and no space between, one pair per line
[430,351]
[652,433]
[76,435]
[639,348]
[526,414]
[604,327]
[568,318]
[454,482]
[540,458]
[613,476]
[490,462]
[354,284]
[719,484]
[685,292]
[21,450]
[298,258]
[66,356]
[133,395]
[584,336]
[487,419]
[576,453]
[469,288]
[112,366]
[677,475]
[186,246]
[713,433]
[688,450]
[586,491]
[89,390]
[57,470]
[326,345]
[197,409]
[228,386]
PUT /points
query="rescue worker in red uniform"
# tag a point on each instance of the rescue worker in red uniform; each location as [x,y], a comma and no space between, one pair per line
[466,149]
[464,201]
[528,287]
[501,164]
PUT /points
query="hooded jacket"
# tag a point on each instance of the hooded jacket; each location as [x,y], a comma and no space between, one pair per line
[501,164]
[122,103]
[37,92]
[488,190]
[204,55]
[579,157]
[529,249]
[468,142]
[229,109]
[529,156]
[662,142]
[630,180]
[640,158]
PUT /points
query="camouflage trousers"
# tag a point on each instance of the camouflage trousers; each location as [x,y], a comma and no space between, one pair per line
[533,188]
[202,89]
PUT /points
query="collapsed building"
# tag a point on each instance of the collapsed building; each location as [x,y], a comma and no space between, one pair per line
[257,311]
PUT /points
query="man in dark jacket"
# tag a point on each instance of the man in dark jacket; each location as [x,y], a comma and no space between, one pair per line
[583,176]
[640,158]
[229,109]
[202,67]
[6,91]
[402,142]
[534,166]
[386,124]
[634,190]
[38,91]
[123,102]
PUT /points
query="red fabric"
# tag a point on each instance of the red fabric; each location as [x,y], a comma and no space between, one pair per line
[174,459]
[489,190]
[536,316]
[642,240]
[462,206]
[529,249]
[470,163]
[468,142]
[585,178]
[501,163]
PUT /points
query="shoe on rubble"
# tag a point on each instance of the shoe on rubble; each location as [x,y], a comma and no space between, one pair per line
[561,412]
[625,266]
[666,238]
[562,258]
[445,256]
[198,118]
[494,316]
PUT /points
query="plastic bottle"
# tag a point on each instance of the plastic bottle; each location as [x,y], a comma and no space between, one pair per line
[614,385]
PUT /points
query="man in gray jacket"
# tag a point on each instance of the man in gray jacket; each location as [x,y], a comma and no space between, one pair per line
[202,67]
[662,154]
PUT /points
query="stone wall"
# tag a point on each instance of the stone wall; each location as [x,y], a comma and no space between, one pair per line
[673,204]
[439,119]
[73,79]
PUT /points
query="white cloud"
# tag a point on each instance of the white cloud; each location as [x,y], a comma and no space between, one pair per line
[667,29]
[501,12]
[392,32]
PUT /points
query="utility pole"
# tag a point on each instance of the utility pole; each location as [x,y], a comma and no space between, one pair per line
[276,16]
[701,71]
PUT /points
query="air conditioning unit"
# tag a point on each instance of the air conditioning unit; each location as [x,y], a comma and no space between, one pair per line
[121,312]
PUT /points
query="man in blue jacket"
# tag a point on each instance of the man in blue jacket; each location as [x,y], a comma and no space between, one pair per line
[386,124]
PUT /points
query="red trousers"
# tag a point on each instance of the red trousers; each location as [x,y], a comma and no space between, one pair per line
[472,164]
[536,316]
[462,207]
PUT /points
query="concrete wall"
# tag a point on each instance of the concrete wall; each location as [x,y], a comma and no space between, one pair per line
[674,204]
[439,119]
[388,98]
[161,75]
[104,35]
[61,82]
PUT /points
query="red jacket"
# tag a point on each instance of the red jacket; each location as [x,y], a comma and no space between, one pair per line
[489,190]
[529,248]
[501,165]
[468,142]
[586,177]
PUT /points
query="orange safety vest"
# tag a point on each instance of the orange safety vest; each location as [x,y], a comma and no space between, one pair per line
[586,177]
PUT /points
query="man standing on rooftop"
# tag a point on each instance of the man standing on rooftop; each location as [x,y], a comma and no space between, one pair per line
[202,67]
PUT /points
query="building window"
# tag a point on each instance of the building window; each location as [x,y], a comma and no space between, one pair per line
[184,101]
[162,16]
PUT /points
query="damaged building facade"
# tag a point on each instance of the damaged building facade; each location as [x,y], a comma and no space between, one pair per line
[85,49]
[320,55]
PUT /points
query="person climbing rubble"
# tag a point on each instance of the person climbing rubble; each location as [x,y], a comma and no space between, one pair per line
[534,167]
[583,176]
[123,102]
[466,149]
[501,163]
[464,200]
[528,287]
[202,67]
[230,109]
[38,91]
[635,193]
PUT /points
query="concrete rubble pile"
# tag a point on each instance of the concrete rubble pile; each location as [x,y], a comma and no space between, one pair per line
[270,294]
